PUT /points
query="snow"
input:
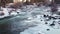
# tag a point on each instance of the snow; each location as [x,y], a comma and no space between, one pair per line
[9,11]
[13,13]
[34,16]
[5,13]
[37,17]
[41,29]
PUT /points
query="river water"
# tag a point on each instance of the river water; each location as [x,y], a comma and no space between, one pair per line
[28,18]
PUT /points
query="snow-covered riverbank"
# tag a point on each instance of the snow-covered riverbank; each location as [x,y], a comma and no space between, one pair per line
[32,20]
[45,21]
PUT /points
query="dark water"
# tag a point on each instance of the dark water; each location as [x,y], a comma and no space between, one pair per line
[12,25]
